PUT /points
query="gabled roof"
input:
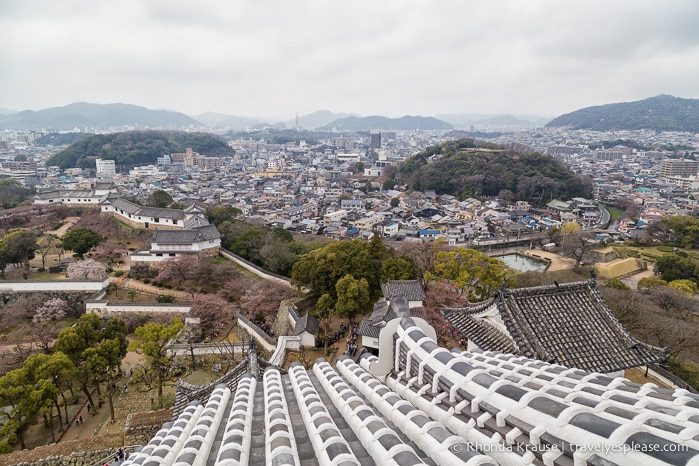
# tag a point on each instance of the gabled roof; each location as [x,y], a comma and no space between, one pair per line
[411,289]
[306,323]
[145,211]
[382,313]
[567,324]
[194,235]
[196,221]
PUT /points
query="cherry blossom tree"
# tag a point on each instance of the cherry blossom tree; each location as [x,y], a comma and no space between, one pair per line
[109,252]
[178,269]
[212,311]
[53,309]
[88,269]
[262,299]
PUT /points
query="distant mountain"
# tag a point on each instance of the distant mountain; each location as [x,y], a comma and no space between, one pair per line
[660,113]
[228,121]
[103,116]
[7,111]
[317,119]
[464,120]
[406,123]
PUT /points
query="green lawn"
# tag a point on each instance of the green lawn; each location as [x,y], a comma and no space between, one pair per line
[615,213]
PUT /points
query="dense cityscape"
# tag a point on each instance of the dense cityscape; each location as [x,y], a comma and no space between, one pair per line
[349,233]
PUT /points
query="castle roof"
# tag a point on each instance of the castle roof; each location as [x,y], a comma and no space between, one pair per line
[422,404]
[567,324]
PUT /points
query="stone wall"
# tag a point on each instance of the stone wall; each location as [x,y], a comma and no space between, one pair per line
[209,252]
[141,427]
[83,452]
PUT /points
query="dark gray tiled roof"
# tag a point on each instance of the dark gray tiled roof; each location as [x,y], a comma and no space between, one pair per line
[568,324]
[381,314]
[144,211]
[306,323]
[195,235]
[434,406]
[70,193]
[411,289]
[195,221]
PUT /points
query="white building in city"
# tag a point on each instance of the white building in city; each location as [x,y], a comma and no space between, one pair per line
[106,169]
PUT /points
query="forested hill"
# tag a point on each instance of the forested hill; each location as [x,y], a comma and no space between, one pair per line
[462,169]
[660,113]
[134,148]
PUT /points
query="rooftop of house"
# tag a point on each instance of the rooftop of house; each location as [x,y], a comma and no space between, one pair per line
[421,404]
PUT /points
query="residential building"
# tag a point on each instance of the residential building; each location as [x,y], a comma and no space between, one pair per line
[106,169]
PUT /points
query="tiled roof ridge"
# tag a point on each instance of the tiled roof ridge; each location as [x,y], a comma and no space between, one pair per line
[471,308]
[529,410]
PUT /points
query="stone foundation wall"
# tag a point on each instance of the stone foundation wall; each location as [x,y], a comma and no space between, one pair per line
[83,452]
[210,252]
[141,427]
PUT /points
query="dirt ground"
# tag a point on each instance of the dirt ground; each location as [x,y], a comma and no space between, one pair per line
[557,262]
[69,222]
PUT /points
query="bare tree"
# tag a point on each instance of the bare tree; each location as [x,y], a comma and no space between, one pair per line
[45,246]
[178,269]
[578,245]
[423,255]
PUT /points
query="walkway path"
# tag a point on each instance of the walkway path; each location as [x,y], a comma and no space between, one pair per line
[131,284]
[69,222]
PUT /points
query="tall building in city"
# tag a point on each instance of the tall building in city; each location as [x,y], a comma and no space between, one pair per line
[678,167]
[374,143]
[105,169]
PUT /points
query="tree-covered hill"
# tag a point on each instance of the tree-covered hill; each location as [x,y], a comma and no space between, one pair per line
[134,148]
[660,113]
[462,169]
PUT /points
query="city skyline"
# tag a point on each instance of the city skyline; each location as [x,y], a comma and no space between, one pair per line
[277,59]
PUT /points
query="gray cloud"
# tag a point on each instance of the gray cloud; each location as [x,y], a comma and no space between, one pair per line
[391,57]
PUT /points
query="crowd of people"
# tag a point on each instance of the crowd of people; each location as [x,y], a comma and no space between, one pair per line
[335,337]
[264,326]
[351,350]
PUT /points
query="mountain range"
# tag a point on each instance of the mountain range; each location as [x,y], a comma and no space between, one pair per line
[659,113]
[354,123]
[82,114]
[465,120]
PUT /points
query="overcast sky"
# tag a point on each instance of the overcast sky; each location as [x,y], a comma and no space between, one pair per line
[276,58]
